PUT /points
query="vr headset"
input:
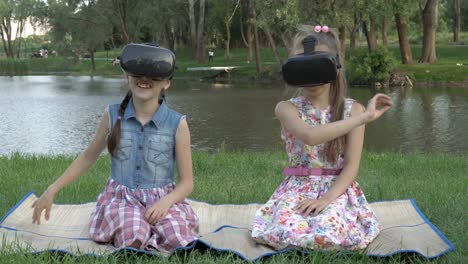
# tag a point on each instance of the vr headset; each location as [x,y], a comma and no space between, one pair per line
[310,68]
[148,60]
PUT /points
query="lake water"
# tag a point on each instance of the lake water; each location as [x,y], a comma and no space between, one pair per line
[59,114]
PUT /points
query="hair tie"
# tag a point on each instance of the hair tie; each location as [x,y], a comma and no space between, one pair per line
[119,117]
[319,28]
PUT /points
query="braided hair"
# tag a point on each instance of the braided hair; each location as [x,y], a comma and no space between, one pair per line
[114,137]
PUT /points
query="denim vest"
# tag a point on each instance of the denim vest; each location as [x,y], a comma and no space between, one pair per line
[145,154]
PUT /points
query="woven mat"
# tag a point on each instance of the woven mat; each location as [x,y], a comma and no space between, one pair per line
[222,227]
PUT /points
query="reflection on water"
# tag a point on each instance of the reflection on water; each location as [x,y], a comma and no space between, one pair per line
[59,114]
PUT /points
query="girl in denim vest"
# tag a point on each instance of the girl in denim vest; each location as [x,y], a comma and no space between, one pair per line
[141,207]
[319,205]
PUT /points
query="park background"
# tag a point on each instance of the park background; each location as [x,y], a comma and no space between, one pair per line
[418,149]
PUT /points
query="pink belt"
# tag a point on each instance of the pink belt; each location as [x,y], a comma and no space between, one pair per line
[300,171]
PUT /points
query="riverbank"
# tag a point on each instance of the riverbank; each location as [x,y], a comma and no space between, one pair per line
[437,183]
[452,66]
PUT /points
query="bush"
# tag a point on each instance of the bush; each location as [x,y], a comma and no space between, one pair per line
[371,67]
[13,67]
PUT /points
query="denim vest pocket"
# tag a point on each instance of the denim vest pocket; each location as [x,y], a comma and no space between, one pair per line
[124,149]
[160,152]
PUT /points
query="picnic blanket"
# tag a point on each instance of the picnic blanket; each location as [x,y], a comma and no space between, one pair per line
[222,227]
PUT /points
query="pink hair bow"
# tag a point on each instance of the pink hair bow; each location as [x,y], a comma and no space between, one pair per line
[319,28]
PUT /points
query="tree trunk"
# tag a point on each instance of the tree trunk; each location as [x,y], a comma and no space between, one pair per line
[384,32]
[250,41]
[123,15]
[170,36]
[456,21]
[227,22]
[342,36]
[200,31]
[352,40]
[272,44]
[405,50]
[245,8]
[430,25]
[370,36]
[6,37]
[228,39]
[93,61]
[244,40]
[4,42]
[287,42]
[19,33]
[258,61]
[193,31]
[352,32]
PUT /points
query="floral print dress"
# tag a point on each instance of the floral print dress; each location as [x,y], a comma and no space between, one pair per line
[346,223]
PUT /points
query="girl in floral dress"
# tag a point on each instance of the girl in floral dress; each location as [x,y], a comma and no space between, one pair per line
[319,205]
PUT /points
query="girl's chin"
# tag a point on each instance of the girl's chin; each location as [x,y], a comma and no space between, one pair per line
[143,95]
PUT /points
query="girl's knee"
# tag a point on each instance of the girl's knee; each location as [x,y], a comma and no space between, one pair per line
[132,235]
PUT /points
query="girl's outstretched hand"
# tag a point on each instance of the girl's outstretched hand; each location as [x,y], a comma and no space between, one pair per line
[44,202]
[377,106]
[312,206]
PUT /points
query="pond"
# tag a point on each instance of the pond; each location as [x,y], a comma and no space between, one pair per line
[59,114]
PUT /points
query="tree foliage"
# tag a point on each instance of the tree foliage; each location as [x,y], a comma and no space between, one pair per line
[84,26]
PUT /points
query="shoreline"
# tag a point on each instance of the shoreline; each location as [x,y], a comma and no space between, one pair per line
[416,83]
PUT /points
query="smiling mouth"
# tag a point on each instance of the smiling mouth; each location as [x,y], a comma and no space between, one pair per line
[143,85]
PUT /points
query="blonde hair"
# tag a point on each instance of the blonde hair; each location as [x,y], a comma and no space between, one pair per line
[338,87]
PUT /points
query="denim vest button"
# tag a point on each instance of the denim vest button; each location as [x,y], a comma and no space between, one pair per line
[138,167]
[140,147]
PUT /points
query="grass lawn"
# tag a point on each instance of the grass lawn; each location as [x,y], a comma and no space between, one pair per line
[437,182]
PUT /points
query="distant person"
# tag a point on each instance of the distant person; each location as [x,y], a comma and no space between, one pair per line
[210,56]
[141,206]
[116,61]
[319,205]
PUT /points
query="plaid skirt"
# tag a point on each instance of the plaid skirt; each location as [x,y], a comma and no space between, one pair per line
[119,219]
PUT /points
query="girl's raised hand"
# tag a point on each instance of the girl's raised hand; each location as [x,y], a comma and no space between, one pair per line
[377,106]
[44,202]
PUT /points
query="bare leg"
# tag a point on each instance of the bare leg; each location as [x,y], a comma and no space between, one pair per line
[136,244]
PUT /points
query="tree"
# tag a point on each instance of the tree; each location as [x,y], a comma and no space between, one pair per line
[248,37]
[277,19]
[258,61]
[220,15]
[337,14]
[405,50]
[14,12]
[456,21]
[200,31]
[429,31]
[70,23]
[163,23]
[402,9]
[193,29]
[230,12]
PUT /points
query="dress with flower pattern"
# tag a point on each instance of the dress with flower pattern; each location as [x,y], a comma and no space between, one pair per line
[346,223]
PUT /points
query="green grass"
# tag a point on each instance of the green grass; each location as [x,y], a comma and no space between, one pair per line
[437,182]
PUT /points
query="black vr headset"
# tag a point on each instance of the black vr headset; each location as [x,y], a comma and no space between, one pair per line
[312,67]
[148,60]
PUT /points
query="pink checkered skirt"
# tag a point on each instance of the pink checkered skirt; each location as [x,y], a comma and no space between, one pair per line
[119,219]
